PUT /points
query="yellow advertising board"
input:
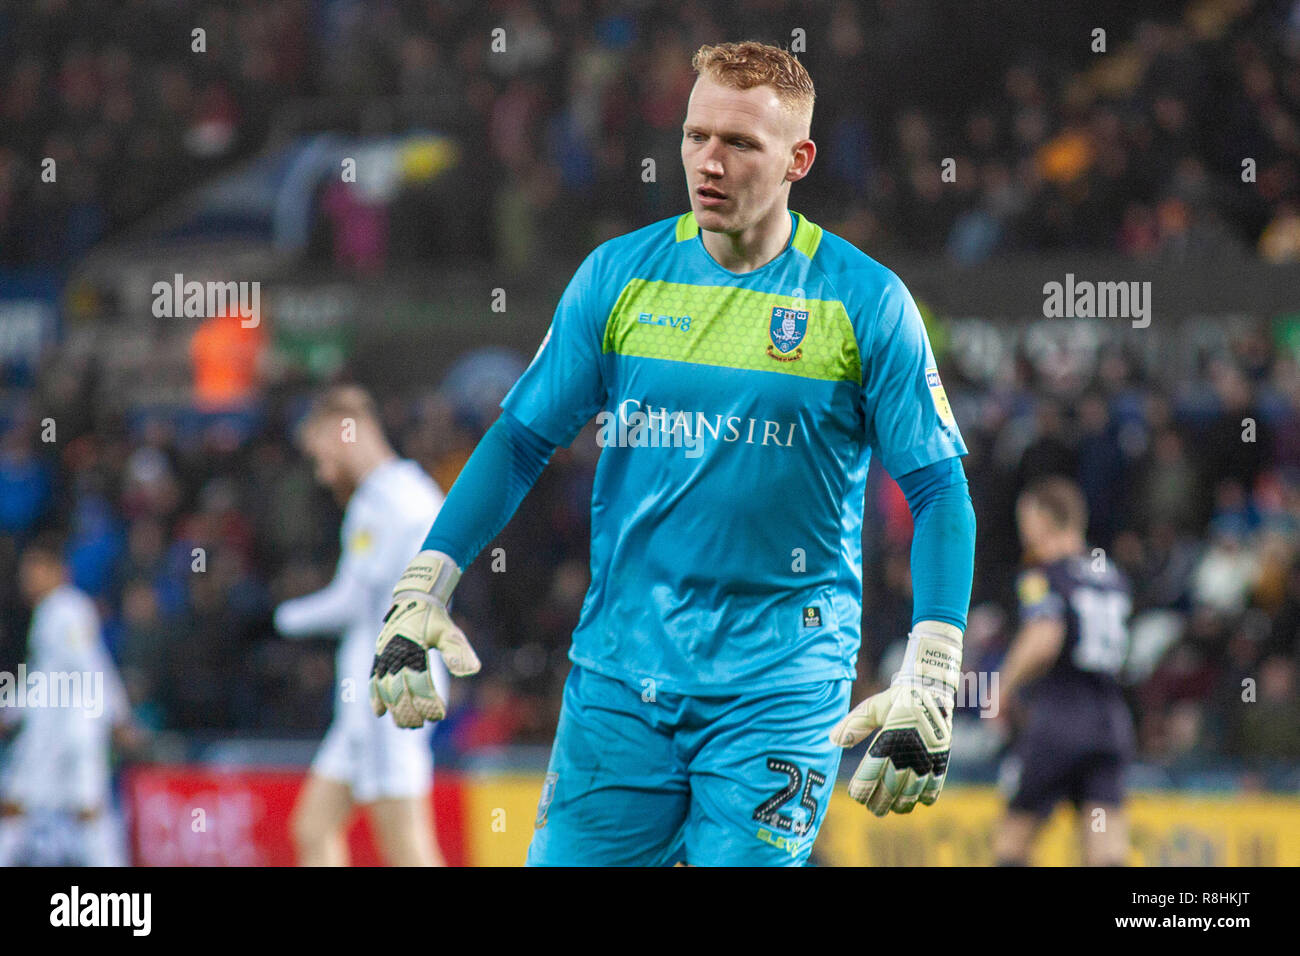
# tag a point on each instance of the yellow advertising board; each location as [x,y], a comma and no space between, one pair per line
[500,810]
[1168,829]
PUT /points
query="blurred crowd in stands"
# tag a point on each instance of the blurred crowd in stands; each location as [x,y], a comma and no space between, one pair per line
[1193,488]
[188,528]
[1180,137]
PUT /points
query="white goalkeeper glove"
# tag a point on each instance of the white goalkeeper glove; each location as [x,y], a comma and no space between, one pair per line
[907,760]
[417,623]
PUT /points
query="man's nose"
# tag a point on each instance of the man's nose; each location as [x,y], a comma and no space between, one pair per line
[709,161]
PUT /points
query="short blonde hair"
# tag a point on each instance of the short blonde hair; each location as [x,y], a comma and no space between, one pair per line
[749,63]
[345,401]
[1060,499]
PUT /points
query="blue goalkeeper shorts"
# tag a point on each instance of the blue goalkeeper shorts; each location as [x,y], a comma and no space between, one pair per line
[638,778]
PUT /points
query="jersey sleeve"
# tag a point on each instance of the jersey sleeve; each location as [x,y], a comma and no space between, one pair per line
[565,383]
[1036,598]
[333,608]
[505,465]
[909,422]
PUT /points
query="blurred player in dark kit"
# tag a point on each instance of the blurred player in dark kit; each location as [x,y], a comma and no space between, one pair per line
[1074,734]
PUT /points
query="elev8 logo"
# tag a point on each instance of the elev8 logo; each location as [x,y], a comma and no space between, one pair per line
[682,323]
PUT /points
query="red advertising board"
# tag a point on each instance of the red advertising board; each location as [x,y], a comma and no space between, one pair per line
[200,816]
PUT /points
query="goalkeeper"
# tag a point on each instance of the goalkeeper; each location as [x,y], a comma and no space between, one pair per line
[743,364]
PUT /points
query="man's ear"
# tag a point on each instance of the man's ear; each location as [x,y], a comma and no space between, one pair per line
[803,144]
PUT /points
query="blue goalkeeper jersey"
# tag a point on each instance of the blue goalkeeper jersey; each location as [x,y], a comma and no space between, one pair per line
[737,414]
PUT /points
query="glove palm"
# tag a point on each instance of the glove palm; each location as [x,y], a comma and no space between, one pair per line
[907,760]
[417,623]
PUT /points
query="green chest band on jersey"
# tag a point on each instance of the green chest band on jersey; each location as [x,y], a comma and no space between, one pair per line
[734,328]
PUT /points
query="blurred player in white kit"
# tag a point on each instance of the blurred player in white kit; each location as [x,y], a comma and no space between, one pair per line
[389,504]
[55,796]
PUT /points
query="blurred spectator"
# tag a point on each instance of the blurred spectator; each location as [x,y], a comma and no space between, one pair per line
[25,483]
[226,353]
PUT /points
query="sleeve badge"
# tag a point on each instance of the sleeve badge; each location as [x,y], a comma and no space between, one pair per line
[940,397]
[1032,588]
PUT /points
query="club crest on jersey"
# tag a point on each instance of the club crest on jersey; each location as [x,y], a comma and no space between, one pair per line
[787,330]
[544,804]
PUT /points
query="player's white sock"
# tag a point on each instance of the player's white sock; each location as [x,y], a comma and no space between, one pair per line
[101,841]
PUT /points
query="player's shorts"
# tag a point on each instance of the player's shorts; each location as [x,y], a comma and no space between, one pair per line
[43,837]
[639,778]
[1037,776]
[58,772]
[373,756]
[1074,746]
